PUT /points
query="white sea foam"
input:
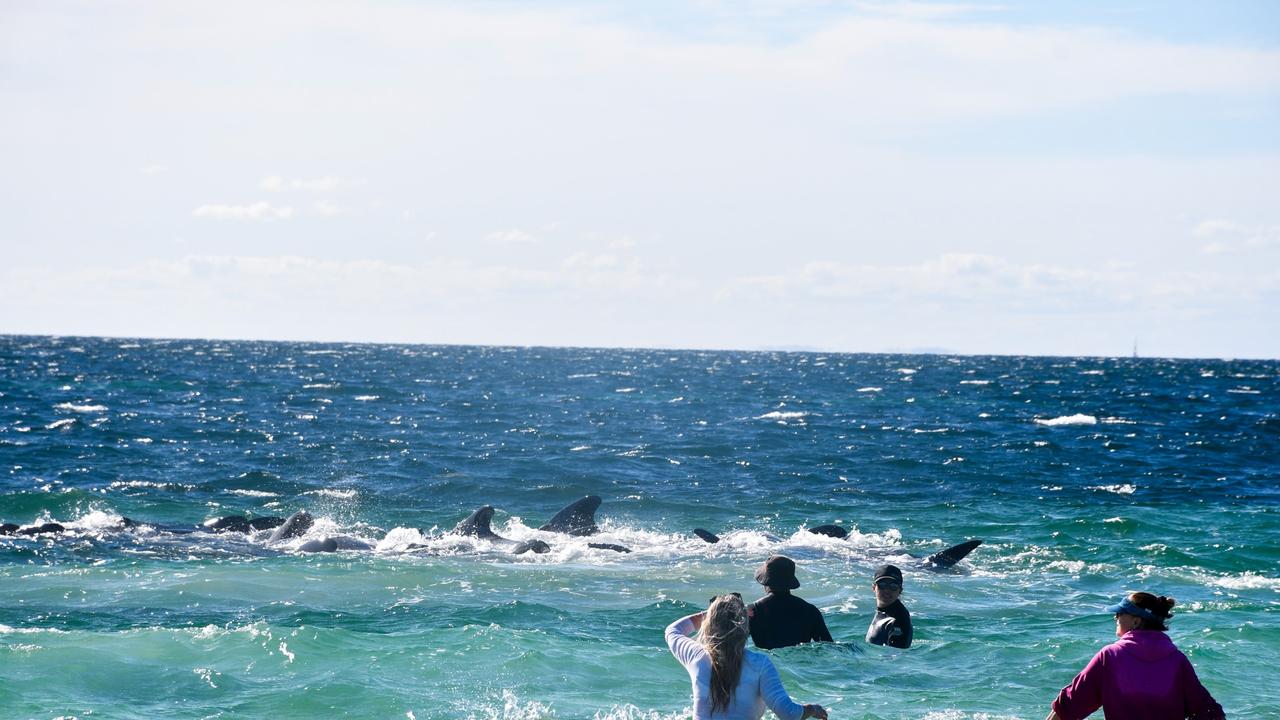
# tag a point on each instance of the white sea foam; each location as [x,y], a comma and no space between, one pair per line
[1093,372]
[1118,421]
[961,715]
[254,493]
[869,389]
[1246,390]
[781,415]
[975,382]
[1247,581]
[65,422]
[334,493]
[1114,520]
[72,407]
[1125,489]
[625,390]
[907,371]
[579,448]
[1077,419]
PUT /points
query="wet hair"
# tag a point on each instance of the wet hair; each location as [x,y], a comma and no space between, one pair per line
[724,636]
[1159,606]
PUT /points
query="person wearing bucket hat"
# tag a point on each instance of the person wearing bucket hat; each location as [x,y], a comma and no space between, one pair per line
[780,619]
[1141,675]
[892,623]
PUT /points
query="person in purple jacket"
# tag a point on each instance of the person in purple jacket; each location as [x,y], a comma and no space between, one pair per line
[1141,676]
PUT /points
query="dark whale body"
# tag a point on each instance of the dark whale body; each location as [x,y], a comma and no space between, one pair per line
[578,518]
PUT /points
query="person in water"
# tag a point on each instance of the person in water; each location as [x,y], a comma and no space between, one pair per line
[1141,675]
[892,623]
[780,619]
[730,682]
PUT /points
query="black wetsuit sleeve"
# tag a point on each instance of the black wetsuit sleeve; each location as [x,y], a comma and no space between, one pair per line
[820,632]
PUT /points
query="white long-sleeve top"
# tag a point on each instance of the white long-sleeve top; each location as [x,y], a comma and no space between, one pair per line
[758,686]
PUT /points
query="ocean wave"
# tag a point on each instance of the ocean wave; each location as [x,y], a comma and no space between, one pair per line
[72,407]
[1077,419]
[334,493]
[1247,581]
[254,493]
[1119,489]
[65,422]
[782,415]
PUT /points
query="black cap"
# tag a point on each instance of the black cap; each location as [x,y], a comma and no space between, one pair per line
[779,572]
[887,572]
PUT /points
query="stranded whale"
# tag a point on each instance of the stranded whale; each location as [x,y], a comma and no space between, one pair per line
[940,560]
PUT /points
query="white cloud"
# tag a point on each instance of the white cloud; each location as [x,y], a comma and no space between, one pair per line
[1231,237]
[254,211]
[154,169]
[993,282]
[275,183]
[512,236]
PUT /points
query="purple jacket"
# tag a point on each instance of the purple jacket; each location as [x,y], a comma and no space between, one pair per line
[1141,676]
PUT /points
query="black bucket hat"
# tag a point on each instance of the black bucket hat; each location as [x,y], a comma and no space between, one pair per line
[779,571]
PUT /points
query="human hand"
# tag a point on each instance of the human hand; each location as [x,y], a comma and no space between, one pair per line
[815,711]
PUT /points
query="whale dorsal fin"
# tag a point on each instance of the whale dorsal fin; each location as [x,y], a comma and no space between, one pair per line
[477,524]
[577,518]
[707,535]
[297,524]
[952,555]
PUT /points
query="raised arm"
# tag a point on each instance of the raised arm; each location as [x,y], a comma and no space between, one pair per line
[685,648]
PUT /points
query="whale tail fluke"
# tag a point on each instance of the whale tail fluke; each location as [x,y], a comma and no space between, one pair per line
[952,555]
[576,518]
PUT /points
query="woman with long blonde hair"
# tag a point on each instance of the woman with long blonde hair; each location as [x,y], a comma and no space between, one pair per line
[729,681]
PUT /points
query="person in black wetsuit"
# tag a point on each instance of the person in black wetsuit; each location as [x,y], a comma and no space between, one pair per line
[892,624]
[780,619]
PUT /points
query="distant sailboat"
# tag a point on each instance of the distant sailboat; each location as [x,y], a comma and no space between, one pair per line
[1135,348]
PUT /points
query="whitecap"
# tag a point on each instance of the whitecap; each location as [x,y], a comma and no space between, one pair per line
[1077,419]
[254,493]
[907,371]
[625,390]
[975,382]
[780,415]
[332,493]
[1118,421]
[1247,581]
[66,422]
[1125,489]
[365,398]
[579,448]
[869,389]
[72,407]
[1246,390]
[1093,372]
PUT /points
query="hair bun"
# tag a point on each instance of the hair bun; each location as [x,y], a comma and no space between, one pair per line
[1166,604]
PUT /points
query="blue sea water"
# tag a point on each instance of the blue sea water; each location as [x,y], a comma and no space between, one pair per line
[1086,477]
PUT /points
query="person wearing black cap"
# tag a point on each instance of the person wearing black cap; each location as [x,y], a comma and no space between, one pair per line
[780,619]
[892,624]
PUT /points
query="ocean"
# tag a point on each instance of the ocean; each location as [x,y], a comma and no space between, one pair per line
[1086,478]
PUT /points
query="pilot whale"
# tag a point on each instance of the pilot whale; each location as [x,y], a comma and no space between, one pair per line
[940,560]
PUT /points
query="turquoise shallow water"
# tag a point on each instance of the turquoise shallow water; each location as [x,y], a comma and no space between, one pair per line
[1087,478]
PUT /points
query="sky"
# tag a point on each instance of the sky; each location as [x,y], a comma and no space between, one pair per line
[1042,178]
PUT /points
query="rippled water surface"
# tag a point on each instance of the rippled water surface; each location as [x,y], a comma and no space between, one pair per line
[1086,477]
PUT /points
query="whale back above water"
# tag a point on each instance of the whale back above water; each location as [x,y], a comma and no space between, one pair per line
[297,524]
[577,518]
